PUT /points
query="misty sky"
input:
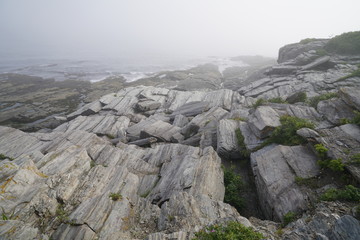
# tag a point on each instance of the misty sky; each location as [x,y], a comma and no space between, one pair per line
[169,27]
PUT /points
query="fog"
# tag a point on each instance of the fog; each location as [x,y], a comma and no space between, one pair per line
[168,27]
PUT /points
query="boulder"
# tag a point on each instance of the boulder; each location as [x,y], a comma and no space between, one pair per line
[263,121]
[227,143]
[334,110]
[162,131]
[351,96]
[86,110]
[275,168]
[133,132]
[149,105]
[191,109]
[180,120]
[316,63]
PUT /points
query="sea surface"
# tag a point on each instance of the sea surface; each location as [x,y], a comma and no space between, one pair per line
[95,69]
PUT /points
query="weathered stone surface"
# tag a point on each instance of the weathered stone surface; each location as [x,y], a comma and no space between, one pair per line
[250,139]
[291,51]
[88,109]
[134,130]
[275,169]
[103,125]
[351,96]
[191,109]
[227,143]
[263,121]
[316,63]
[162,131]
[144,106]
[180,120]
[335,110]
[281,70]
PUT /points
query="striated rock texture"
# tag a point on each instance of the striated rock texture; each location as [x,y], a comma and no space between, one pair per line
[146,162]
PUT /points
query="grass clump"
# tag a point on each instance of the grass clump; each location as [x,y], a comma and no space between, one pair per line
[259,102]
[3,157]
[286,133]
[321,52]
[346,44]
[350,193]
[233,188]
[334,164]
[277,100]
[115,196]
[313,102]
[245,153]
[321,151]
[356,73]
[308,182]
[61,214]
[231,231]
[288,218]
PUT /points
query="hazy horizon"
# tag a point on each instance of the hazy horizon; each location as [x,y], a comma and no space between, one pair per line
[143,28]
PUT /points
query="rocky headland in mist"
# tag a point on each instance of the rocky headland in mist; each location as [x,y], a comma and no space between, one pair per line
[274,147]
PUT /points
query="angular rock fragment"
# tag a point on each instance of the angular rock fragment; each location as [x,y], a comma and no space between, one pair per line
[263,121]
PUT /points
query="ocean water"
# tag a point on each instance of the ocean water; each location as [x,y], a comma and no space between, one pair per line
[99,68]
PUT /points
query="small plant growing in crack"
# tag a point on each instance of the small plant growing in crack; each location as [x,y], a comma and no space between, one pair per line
[115,196]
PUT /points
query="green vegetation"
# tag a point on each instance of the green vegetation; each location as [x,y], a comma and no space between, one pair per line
[321,52]
[334,164]
[308,182]
[355,73]
[288,218]
[277,100]
[231,231]
[350,193]
[115,196]
[313,102]
[346,44]
[286,133]
[307,40]
[259,102]
[321,151]
[92,163]
[245,153]
[61,214]
[354,120]
[3,157]
[239,119]
[233,188]
[355,159]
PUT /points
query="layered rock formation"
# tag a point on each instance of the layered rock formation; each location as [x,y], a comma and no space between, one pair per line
[145,162]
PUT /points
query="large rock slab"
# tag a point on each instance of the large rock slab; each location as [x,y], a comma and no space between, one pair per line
[191,109]
[163,131]
[133,132]
[335,110]
[227,143]
[275,169]
[318,62]
[263,121]
[351,96]
[88,109]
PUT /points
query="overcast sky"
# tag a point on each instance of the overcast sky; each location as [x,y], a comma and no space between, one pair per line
[169,27]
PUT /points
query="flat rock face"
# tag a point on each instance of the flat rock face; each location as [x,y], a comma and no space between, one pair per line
[263,121]
[335,110]
[351,96]
[275,169]
[227,143]
[162,131]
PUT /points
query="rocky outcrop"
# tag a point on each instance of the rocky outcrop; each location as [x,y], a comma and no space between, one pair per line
[275,169]
[263,121]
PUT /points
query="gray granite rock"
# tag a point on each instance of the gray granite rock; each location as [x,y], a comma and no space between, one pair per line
[275,169]
[351,96]
[180,120]
[144,106]
[162,131]
[318,62]
[334,110]
[263,121]
[227,143]
[88,109]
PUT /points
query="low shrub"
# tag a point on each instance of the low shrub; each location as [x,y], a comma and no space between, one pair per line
[286,133]
[288,218]
[346,44]
[115,196]
[355,159]
[334,164]
[259,102]
[231,231]
[233,188]
[3,157]
[307,40]
[313,102]
[308,182]
[245,153]
[321,151]
[350,193]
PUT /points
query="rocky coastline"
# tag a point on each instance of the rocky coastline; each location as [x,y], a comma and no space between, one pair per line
[144,160]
